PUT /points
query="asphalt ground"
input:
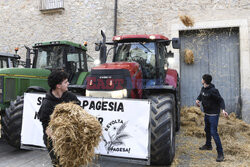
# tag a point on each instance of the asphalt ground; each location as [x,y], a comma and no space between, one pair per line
[11,157]
[187,155]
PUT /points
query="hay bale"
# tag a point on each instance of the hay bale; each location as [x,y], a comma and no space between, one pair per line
[231,125]
[75,134]
[188,56]
[233,147]
[234,132]
[187,20]
[192,121]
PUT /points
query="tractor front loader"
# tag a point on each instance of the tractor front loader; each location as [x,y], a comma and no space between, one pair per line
[47,56]
[139,70]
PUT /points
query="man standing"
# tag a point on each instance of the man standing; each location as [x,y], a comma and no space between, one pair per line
[212,102]
[58,83]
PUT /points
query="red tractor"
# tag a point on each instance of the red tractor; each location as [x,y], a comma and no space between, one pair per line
[139,70]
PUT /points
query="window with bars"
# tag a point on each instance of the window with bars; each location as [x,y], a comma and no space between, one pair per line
[52,4]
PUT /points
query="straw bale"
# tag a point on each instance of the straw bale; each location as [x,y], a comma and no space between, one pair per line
[189,56]
[187,20]
[231,130]
[75,134]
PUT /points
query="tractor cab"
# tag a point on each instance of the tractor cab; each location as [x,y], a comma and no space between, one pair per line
[147,50]
[8,60]
[64,55]
[139,61]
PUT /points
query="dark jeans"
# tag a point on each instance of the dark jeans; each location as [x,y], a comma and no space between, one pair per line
[211,124]
[48,143]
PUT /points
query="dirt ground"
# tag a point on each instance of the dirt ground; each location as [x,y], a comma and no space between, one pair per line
[235,137]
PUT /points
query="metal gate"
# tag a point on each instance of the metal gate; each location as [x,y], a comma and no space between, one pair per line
[216,51]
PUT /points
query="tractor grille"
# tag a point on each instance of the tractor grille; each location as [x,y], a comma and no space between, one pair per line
[116,79]
[10,89]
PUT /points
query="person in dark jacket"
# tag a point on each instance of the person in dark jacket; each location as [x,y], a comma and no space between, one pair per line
[212,102]
[58,82]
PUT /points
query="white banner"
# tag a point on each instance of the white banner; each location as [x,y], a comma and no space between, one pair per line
[32,130]
[125,124]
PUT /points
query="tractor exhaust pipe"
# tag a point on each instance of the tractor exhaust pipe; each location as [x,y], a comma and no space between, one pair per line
[28,63]
[103,49]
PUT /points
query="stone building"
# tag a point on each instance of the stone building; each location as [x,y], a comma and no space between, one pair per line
[219,38]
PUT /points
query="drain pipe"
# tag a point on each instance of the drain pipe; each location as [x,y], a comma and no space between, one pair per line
[115,17]
[115,22]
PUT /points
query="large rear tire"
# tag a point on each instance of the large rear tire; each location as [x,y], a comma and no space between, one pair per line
[178,118]
[12,122]
[162,129]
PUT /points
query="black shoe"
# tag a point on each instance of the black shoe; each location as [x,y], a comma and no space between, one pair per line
[205,147]
[220,157]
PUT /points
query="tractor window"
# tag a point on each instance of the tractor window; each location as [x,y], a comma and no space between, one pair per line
[14,62]
[4,63]
[73,60]
[135,51]
[85,59]
[50,57]
[142,53]
[42,60]
[162,52]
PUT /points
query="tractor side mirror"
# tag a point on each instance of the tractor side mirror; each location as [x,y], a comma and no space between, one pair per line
[176,43]
[169,54]
[103,49]
[97,46]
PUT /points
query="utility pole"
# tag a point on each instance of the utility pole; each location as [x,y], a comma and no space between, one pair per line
[115,21]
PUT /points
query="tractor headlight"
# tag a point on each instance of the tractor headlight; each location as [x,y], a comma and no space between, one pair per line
[87,93]
[109,94]
[119,93]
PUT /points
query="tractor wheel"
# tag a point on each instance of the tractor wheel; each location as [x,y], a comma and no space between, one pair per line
[4,122]
[12,122]
[162,129]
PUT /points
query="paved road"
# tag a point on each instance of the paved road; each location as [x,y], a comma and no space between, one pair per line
[10,157]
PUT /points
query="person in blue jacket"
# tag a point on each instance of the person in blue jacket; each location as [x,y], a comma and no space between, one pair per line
[212,103]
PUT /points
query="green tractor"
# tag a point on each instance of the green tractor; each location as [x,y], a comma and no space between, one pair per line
[8,60]
[47,56]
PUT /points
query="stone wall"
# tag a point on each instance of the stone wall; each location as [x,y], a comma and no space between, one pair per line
[22,23]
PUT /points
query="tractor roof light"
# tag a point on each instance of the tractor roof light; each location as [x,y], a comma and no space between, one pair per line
[117,38]
[38,44]
[16,49]
[152,37]
[55,42]
[85,43]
